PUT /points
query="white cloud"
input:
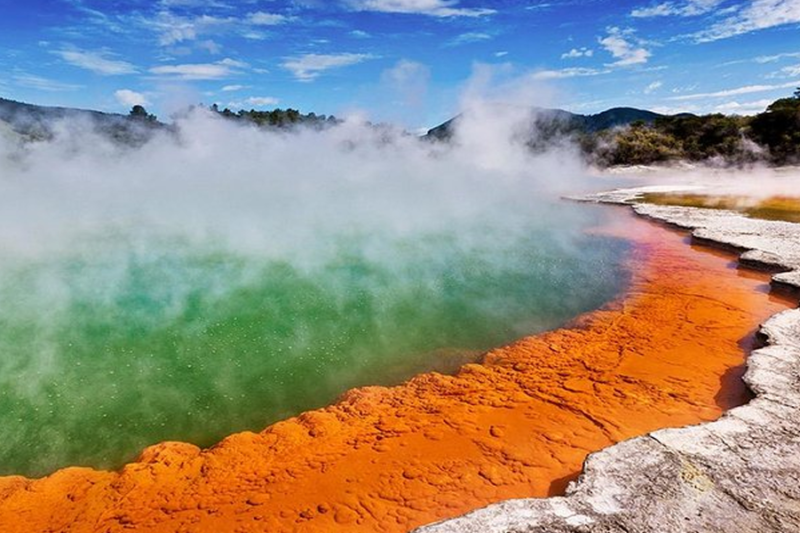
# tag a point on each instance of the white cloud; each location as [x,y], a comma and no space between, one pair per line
[261,18]
[745,108]
[758,15]
[255,101]
[308,67]
[194,3]
[680,9]
[210,46]
[684,89]
[791,70]
[200,71]
[232,88]
[97,62]
[568,73]
[405,72]
[502,53]
[469,37]
[228,62]
[730,107]
[658,10]
[433,8]
[129,98]
[360,34]
[776,57]
[262,100]
[672,110]
[255,35]
[409,81]
[578,52]
[748,89]
[195,71]
[653,87]
[43,84]
[624,48]
[175,29]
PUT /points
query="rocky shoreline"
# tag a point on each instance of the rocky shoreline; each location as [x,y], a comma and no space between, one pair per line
[739,473]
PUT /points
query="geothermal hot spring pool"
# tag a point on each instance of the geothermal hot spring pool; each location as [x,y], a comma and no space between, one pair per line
[222,279]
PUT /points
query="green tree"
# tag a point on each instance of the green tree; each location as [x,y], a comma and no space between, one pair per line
[138,112]
[638,144]
[778,128]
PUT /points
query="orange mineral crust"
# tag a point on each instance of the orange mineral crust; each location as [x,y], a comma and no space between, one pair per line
[388,459]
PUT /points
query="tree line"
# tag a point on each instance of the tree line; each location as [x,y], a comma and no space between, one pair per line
[772,136]
[280,118]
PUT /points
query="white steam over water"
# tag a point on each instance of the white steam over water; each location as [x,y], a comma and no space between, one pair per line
[273,192]
[221,276]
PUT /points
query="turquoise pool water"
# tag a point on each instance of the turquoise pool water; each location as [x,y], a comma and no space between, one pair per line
[127,338]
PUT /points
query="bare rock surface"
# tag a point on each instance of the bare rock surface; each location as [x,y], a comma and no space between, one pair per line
[739,473]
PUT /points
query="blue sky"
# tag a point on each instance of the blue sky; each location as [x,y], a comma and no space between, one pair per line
[405,61]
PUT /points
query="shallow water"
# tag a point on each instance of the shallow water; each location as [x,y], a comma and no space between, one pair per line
[132,338]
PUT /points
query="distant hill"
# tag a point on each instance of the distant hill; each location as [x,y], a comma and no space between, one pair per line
[618,136]
[566,121]
[37,122]
[617,116]
[629,136]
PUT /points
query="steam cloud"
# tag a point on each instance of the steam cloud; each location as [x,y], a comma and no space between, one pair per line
[271,191]
[134,279]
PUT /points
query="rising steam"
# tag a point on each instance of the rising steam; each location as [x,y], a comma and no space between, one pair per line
[221,276]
